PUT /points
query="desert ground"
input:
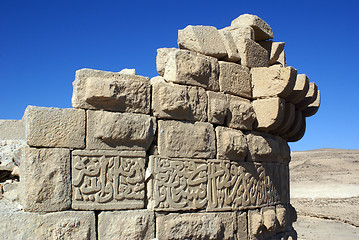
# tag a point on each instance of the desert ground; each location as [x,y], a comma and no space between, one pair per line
[325,193]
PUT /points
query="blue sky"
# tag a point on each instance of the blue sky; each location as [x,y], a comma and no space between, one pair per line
[43,43]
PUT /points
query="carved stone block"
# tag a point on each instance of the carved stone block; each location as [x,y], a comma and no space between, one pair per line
[197,226]
[217,107]
[122,131]
[136,225]
[58,225]
[262,30]
[177,184]
[190,68]
[108,180]
[45,184]
[231,144]
[239,185]
[55,127]
[263,147]
[161,59]
[174,101]
[240,113]
[94,89]
[185,139]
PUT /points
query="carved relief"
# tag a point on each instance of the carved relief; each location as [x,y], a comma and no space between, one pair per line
[237,185]
[177,184]
[108,180]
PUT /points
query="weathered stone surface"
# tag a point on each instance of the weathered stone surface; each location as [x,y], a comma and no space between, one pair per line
[234,79]
[309,98]
[313,107]
[300,89]
[289,116]
[273,81]
[60,225]
[231,48]
[12,130]
[263,147]
[136,225]
[217,107]
[299,134]
[252,54]
[45,180]
[296,125]
[231,144]
[274,49]
[262,31]
[122,131]
[180,102]
[269,218]
[270,113]
[108,180]
[177,184]
[255,223]
[282,59]
[240,32]
[202,39]
[240,113]
[196,226]
[246,184]
[161,59]
[94,89]
[242,224]
[55,127]
[190,68]
[11,154]
[187,140]
[128,71]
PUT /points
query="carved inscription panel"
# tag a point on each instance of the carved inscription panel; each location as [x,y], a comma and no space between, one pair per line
[237,185]
[177,184]
[215,185]
[108,180]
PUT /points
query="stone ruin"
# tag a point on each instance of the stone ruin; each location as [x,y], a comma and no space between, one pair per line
[199,152]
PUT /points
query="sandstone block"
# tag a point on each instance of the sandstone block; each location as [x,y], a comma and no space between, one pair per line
[309,98]
[269,218]
[255,224]
[262,147]
[108,180]
[289,116]
[273,81]
[177,184]
[128,71]
[217,107]
[190,68]
[262,31]
[161,59]
[202,39]
[234,79]
[55,127]
[45,180]
[240,113]
[136,225]
[229,44]
[60,225]
[252,54]
[300,133]
[270,113]
[282,218]
[12,130]
[240,32]
[11,153]
[122,131]
[274,49]
[180,102]
[224,176]
[187,140]
[282,60]
[242,224]
[231,144]
[196,226]
[120,92]
[296,125]
[300,89]
[313,107]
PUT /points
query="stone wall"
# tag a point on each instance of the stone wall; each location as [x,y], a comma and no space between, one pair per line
[198,152]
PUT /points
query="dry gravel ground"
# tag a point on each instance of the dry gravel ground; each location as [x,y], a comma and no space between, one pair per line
[325,193]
